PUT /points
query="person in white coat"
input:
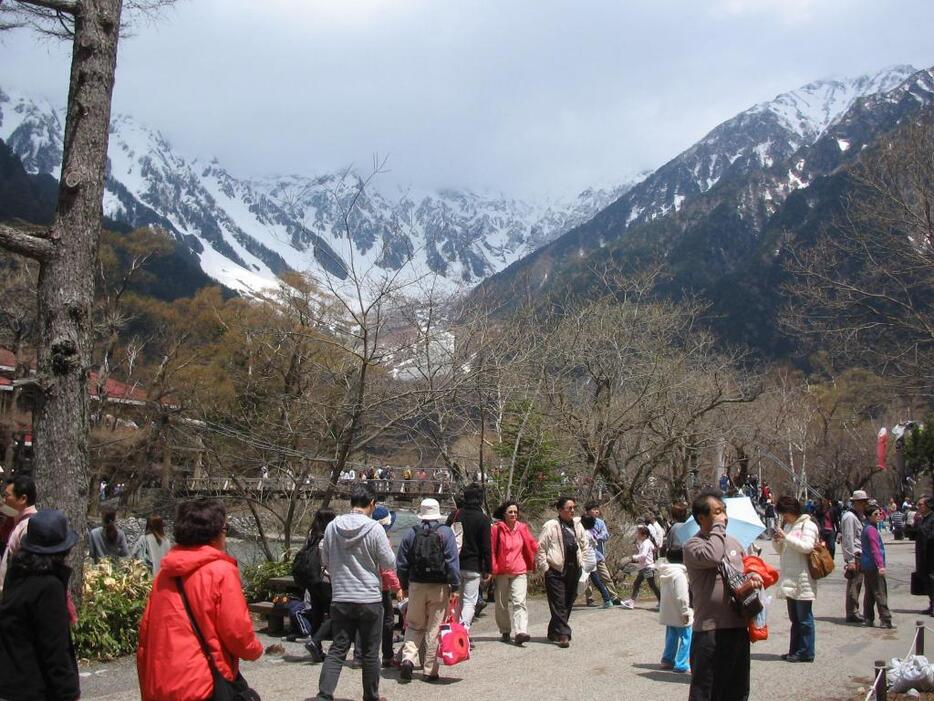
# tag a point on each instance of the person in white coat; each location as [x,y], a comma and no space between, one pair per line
[794,542]
[675,613]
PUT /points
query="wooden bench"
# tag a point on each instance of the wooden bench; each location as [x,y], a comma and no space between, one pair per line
[275,616]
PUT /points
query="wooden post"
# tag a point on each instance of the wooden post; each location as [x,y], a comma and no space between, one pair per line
[919,637]
[881,684]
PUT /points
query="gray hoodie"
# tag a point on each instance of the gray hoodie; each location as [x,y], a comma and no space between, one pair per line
[355,549]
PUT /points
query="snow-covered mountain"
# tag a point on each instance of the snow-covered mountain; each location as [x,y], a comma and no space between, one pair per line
[246,231]
[755,140]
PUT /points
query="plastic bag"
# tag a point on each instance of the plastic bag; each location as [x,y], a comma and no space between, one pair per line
[453,642]
[582,582]
[758,625]
[913,672]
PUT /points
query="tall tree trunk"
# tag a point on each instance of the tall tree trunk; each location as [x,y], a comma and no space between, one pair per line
[66,275]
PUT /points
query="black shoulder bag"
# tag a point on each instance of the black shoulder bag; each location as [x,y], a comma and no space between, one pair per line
[224,689]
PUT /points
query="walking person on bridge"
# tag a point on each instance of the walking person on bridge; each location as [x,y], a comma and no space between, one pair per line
[354,550]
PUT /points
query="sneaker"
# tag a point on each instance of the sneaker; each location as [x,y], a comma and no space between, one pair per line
[405,671]
[522,638]
[591,603]
[888,624]
[685,670]
[617,602]
[504,637]
[665,664]
[856,618]
[564,641]
[607,605]
[628,604]
[868,623]
[795,658]
[431,678]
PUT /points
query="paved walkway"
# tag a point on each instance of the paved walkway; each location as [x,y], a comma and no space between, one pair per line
[614,655]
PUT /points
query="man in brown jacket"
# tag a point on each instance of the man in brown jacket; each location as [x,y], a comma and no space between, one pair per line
[720,643]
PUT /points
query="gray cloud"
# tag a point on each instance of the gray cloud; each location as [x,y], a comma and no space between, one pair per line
[522,96]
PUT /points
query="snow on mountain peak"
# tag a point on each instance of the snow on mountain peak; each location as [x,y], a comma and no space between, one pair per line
[810,109]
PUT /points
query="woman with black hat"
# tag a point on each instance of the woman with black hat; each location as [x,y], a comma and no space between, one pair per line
[37,657]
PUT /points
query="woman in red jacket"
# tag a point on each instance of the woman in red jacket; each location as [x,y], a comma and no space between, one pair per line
[514,550]
[170,661]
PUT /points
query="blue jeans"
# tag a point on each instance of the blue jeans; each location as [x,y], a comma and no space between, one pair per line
[802,629]
[601,587]
[677,651]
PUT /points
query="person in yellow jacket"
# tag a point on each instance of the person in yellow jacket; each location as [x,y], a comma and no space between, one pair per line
[563,547]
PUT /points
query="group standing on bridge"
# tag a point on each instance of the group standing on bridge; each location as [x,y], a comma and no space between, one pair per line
[197,626]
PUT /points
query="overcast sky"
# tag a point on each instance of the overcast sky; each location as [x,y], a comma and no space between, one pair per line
[521,96]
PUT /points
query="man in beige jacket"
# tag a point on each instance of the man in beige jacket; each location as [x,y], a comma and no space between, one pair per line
[563,547]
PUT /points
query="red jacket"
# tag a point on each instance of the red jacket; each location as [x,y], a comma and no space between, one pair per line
[506,545]
[169,660]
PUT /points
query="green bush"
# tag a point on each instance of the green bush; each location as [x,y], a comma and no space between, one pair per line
[114,600]
[257,578]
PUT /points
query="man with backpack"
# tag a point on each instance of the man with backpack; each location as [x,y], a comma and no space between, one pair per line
[354,550]
[429,570]
[475,554]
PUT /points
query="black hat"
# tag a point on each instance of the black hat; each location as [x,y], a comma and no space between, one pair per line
[47,533]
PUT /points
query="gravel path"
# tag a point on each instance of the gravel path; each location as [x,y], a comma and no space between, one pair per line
[614,655]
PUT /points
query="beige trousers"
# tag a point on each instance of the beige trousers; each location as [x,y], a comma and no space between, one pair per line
[424,616]
[511,590]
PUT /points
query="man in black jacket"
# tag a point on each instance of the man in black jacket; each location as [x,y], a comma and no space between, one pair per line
[924,549]
[473,526]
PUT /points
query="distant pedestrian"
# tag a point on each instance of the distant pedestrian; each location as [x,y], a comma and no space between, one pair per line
[153,545]
[475,558]
[675,612]
[589,523]
[428,566]
[37,657]
[563,546]
[354,551]
[851,529]
[827,516]
[174,662]
[897,519]
[513,551]
[108,540]
[873,564]
[645,560]
[794,542]
[601,535]
[720,639]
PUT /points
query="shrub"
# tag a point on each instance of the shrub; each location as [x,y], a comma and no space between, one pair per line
[257,578]
[115,597]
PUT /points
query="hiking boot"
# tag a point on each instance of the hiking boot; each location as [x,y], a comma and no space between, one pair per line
[431,678]
[564,641]
[315,650]
[405,671]
[504,638]
[591,602]
[666,665]
[522,638]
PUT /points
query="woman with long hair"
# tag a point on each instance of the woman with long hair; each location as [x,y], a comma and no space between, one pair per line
[563,547]
[319,595]
[153,545]
[513,554]
[36,652]
[108,540]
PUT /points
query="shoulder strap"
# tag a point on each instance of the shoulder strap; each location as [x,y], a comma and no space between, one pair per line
[194,625]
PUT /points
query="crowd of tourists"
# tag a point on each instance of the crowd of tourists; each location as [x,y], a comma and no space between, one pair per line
[197,627]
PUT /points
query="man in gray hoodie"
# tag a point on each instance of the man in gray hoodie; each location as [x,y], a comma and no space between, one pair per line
[354,550]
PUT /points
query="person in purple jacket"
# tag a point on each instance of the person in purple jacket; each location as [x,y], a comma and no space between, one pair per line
[872,563]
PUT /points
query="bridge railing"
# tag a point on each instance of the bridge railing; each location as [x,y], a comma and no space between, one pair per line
[315,485]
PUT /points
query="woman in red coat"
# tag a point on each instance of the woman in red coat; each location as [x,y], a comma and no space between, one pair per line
[170,661]
[514,550]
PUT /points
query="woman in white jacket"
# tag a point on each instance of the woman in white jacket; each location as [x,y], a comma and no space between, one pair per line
[675,613]
[794,542]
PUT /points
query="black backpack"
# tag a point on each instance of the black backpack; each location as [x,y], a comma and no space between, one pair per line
[426,558]
[306,567]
